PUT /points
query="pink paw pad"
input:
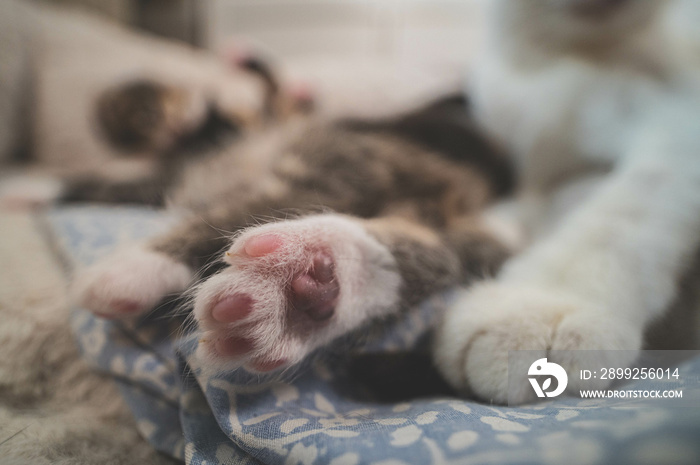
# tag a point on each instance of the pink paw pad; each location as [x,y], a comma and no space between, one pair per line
[283,289]
[262,245]
[315,291]
[121,308]
[126,306]
[233,308]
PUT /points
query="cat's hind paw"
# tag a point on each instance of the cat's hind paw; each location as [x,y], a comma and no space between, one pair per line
[291,287]
[129,282]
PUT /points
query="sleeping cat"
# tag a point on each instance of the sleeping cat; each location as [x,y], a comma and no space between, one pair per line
[145,118]
[386,212]
[599,103]
[57,62]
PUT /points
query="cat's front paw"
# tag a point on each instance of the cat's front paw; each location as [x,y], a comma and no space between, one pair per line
[129,282]
[490,319]
[291,287]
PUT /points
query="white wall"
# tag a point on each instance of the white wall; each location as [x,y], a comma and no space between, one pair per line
[394,29]
[362,57]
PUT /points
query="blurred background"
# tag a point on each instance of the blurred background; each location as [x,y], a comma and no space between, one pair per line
[391,29]
[405,49]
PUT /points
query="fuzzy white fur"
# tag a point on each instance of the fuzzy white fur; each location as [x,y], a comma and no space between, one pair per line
[589,97]
[365,270]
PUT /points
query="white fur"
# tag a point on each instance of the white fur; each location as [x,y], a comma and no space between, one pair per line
[602,272]
[365,270]
[135,276]
[503,222]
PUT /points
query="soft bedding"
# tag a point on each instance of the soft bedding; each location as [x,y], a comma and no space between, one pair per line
[308,416]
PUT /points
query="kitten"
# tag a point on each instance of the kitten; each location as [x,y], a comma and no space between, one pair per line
[153,94]
[576,88]
[148,119]
[405,195]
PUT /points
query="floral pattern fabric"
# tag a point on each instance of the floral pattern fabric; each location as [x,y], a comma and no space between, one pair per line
[305,417]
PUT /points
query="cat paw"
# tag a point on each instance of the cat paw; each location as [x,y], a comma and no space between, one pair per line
[490,319]
[129,283]
[291,287]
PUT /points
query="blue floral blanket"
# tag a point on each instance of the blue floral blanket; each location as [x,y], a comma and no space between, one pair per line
[311,416]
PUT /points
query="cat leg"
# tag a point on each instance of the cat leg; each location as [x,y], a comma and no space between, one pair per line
[296,285]
[133,279]
[596,283]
